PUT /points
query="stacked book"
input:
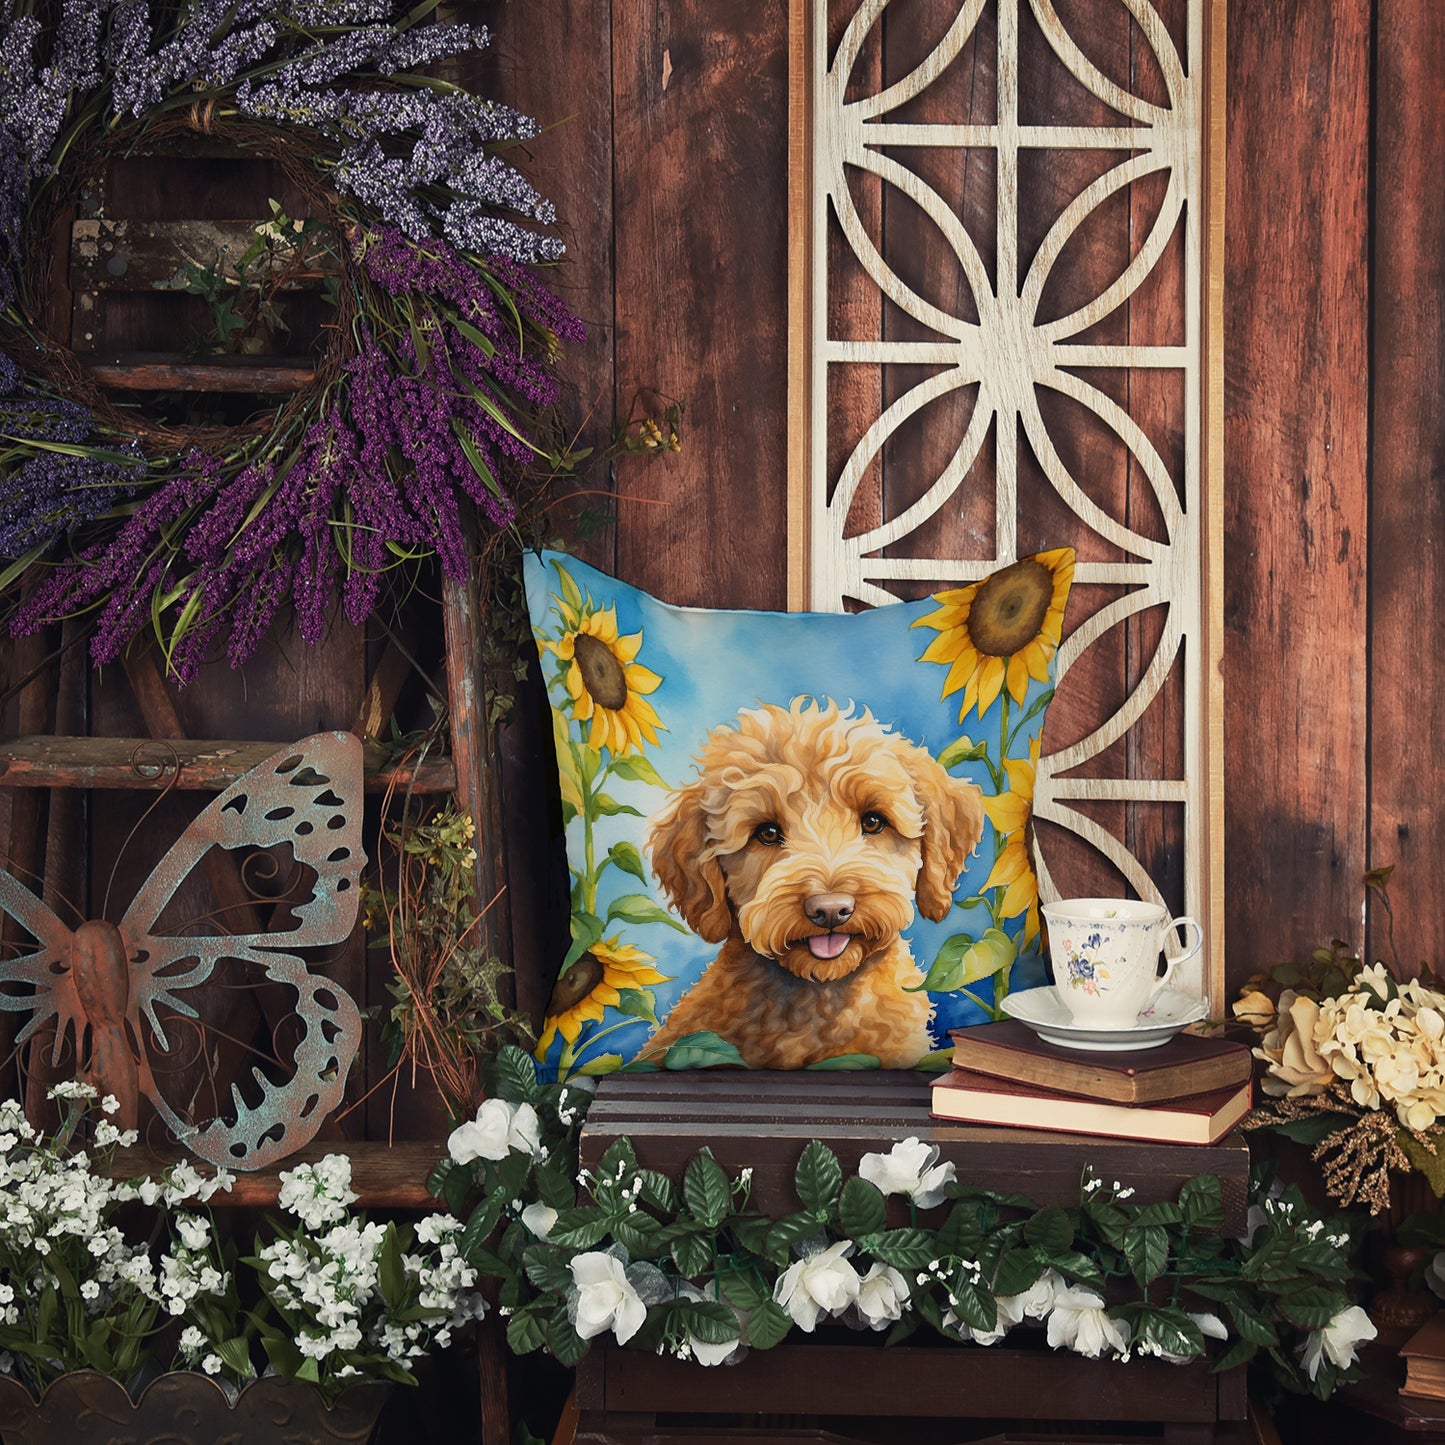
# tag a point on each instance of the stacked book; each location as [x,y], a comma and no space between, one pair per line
[1190,1090]
[1424,1356]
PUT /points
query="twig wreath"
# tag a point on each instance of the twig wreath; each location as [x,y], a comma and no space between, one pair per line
[424,411]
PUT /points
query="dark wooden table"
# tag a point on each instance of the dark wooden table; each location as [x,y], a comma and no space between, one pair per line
[847,1388]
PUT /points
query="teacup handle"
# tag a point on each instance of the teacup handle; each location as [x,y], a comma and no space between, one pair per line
[1170,964]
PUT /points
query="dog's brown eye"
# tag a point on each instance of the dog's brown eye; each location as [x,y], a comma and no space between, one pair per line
[768,834]
[873,822]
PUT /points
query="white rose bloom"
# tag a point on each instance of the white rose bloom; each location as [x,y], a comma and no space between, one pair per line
[1078,1322]
[605,1298]
[882,1296]
[1034,1303]
[498,1128]
[539,1219]
[909,1168]
[1337,1341]
[823,1283]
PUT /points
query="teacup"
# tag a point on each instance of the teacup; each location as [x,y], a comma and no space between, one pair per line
[1106,957]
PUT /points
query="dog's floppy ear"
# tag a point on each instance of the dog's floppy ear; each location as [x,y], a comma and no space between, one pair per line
[690,876]
[952,826]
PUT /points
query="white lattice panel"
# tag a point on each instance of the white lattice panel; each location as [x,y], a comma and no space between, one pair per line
[997,340]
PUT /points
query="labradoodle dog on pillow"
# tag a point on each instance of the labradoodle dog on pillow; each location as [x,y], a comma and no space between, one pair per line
[801,848]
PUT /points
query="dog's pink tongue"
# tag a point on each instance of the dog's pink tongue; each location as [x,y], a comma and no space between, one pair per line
[827,945]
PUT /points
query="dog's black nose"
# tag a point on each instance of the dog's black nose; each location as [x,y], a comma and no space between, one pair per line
[828,910]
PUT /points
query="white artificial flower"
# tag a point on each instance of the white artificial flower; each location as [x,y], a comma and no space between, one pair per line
[318,1194]
[194,1232]
[909,1168]
[110,1104]
[71,1089]
[605,1298]
[882,1296]
[539,1219]
[498,1128]
[1034,1303]
[436,1227]
[821,1283]
[1078,1322]
[700,1350]
[1337,1341]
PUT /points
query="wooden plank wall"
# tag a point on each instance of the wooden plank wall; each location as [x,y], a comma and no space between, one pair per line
[671,174]
[666,154]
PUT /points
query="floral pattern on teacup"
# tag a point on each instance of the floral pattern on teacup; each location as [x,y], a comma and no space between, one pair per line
[1081,967]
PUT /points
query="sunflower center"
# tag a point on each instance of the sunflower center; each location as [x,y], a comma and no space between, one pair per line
[602,674]
[574,985]
[1009,608]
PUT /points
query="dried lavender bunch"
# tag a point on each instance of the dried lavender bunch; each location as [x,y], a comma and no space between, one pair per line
[430,410]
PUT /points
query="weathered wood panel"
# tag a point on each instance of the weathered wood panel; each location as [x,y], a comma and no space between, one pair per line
[554,62]
[700,140]
[1296,426]
[1407,491]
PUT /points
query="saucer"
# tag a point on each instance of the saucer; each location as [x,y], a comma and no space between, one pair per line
[1041,1010]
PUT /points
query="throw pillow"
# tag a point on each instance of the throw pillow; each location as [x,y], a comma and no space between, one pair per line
[796,840]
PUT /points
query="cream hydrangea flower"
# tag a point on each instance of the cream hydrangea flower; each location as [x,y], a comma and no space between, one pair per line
[1296,1067]
[1386,1043]
[1255,1009]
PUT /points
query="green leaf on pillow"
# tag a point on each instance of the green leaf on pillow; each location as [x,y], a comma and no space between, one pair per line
[946,971]
[703,1050]
[639,908]
[628,858]
[586,931]
[638,769]
[602,1064]
[848,1061]
[1034,708]
[963,960]
[638,1003]
[571,593]
[938,1062]
[962,750]
[606,806]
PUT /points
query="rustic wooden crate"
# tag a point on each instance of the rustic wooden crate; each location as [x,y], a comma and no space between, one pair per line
[762,1119]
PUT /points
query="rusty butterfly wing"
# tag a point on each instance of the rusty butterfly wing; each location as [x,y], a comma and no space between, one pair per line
[302,810]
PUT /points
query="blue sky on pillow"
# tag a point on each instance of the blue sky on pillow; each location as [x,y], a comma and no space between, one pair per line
[795,839]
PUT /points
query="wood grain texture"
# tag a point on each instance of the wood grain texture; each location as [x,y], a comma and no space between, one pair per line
[1296,420]
[911,1381]
[762,1119]
[1407,493]
[554,63]
[700,140]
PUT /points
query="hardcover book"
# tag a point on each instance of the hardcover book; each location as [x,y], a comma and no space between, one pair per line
[974,1098]
[1185,1066]
[1424,1356]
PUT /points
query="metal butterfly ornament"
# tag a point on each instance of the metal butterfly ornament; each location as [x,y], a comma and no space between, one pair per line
[116,988]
